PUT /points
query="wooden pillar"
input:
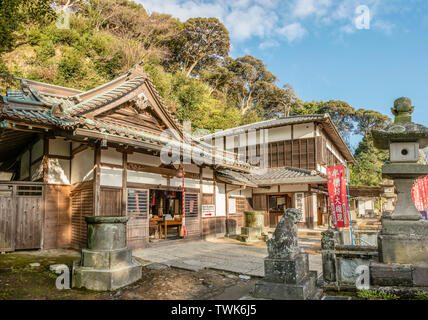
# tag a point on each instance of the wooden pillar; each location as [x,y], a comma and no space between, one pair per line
[124,182]
[96,181]
[200,200]
[45,183]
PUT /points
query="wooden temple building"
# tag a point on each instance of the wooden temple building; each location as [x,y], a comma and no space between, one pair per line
[111,151]
[66,154]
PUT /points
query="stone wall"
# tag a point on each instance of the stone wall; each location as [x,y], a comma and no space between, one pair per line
[340,261]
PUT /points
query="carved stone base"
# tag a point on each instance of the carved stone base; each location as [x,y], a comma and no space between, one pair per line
[251,234]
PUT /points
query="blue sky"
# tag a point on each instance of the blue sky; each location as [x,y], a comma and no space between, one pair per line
[315,46]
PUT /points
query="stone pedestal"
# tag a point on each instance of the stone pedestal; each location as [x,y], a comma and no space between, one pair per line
[404,242]
[107,263]
[287,275]
[254,223]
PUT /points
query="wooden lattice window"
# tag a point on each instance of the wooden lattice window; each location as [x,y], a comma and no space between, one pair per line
[138,205]
[191,204]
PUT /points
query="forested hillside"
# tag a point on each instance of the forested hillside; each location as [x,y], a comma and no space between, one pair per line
[189,63]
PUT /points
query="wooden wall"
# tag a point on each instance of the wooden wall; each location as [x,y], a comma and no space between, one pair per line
[81,206]
[57,221]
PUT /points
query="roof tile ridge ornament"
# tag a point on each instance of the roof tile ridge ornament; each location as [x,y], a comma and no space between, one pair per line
[402,110]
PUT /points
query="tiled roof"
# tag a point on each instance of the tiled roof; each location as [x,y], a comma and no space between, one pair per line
[266,124]
[33,108]
[106,96]
[273,176]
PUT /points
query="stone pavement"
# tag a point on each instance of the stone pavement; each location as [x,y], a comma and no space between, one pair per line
[197,255]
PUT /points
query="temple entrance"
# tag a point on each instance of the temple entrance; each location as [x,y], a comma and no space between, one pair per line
[277,205]
[165,215]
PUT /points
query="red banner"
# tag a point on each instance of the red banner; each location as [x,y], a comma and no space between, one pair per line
[337,191]
[420,194]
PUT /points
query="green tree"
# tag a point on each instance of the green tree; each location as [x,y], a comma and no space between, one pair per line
[368,170]
[201,43]
[368,120]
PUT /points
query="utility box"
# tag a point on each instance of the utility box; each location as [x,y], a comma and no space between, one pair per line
[404,152]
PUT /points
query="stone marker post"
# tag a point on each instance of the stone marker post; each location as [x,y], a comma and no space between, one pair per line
[403,240]
[107,263]
[287,275]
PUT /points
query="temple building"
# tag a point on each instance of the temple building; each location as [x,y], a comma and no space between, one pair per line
[117,150]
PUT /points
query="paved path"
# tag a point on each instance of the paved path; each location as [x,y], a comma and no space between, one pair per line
[239,258]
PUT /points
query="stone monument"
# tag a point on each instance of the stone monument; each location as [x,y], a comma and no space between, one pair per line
[107,263]
[287,275]
[254,223]
[403,240]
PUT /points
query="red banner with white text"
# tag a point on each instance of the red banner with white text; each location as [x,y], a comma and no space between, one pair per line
[338,194]
[420,194]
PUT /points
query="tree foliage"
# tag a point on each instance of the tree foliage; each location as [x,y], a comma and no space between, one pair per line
[200,43]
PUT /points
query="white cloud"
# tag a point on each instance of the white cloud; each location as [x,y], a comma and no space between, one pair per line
[276,20]
[292,32]
[269,44]
[305,8]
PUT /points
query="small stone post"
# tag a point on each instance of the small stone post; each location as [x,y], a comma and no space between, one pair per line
[254,223]
[287,275]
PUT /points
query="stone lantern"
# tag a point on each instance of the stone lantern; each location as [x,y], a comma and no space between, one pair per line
[404,235]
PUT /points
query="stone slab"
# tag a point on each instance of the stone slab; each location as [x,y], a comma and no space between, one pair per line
[391,275]
[106,280]
[403,249]
[420,277]
[306,289]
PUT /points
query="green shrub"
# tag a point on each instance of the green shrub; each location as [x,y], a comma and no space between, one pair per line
[376,295]
[421,295]
[71,64]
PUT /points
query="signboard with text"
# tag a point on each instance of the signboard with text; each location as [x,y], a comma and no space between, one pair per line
[338,195]
[208,210]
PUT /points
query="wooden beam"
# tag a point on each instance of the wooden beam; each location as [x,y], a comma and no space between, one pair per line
[159,170]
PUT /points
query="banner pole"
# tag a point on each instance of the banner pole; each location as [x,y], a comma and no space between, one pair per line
[349,203]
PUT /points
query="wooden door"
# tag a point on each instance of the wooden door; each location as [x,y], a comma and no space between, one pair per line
[111,202]
[137,228]
[28,222]
[7,215]
[192,219]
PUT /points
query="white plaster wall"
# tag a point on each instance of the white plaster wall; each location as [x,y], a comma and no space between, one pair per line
[111,177]
[191,168]
[59,147]
[188,183]
[111,156]
[37,171]
[207,173]
[279,134]
[293,188]
[322,169]
[146,159]
[59,171]
[304,130]
[37,150]
[207,186]
[220,200]
[272,189]
[82,166]
[333,149]
[146,177]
